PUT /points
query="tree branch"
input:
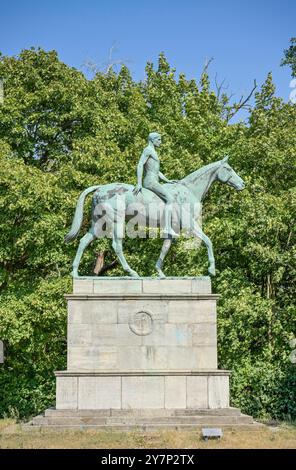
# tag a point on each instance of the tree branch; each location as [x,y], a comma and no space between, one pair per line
[241,104]
[220,87]
[100,266]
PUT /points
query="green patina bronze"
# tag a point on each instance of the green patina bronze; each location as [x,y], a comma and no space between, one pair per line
[149,162]
[187,193]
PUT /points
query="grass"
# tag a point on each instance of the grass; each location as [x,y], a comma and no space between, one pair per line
[13,437]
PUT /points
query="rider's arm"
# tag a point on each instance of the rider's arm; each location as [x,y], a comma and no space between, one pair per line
[140,167]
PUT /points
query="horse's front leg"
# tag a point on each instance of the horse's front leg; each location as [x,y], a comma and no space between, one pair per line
[164,251]
[197,231]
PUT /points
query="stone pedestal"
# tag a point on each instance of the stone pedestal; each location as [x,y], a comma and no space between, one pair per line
[142,354]
[140,344]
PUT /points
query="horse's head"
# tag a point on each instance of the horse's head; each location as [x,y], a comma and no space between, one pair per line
[227,175]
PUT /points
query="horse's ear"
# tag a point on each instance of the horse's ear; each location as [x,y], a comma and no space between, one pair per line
[225,159]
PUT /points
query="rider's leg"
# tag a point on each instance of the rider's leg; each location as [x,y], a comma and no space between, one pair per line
[168,219]
[164,194]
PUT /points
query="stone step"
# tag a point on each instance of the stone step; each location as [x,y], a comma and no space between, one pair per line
[53,412]
[209,412]
[143,413]
[147,428]
[74,420]
[142,421]
[202,420]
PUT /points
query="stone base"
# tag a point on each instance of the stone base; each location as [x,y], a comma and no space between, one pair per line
[143,420]
[142,353]
[163,390]
[141,324]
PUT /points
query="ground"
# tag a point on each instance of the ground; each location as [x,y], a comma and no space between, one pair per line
[280,436]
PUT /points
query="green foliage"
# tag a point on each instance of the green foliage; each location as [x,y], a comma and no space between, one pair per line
[60,133]
[290,57]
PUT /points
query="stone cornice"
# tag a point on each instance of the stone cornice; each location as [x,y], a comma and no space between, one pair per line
[142,373]
[147,296]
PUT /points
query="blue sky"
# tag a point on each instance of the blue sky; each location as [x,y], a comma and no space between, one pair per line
[245,38]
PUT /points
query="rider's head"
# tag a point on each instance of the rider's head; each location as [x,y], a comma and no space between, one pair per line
[155,138]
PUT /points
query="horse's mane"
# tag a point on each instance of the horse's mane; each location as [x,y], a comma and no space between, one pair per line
[200,173]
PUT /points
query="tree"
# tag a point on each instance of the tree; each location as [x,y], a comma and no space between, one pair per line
[290,57]
[60,133]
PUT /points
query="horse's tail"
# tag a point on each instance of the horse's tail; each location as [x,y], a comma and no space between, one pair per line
[78,216]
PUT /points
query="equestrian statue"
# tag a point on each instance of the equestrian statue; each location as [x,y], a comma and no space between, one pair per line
[178,203]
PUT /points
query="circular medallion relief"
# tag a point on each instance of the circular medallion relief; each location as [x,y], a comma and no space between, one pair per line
[141,323]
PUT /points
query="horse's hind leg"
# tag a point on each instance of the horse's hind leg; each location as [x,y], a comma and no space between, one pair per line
[164,251]
[117,246]
[84,242]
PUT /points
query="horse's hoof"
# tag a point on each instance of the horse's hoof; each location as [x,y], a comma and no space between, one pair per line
[134,274]
[212,271]
[161,274]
